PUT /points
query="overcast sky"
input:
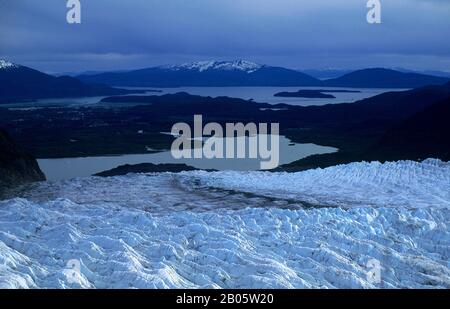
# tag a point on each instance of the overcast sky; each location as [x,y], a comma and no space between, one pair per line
[301,34]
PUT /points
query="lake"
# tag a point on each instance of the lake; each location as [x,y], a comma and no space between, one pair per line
[266,94]
[67,168]
[258,94]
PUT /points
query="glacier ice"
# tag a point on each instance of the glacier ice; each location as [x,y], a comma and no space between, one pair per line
[312,229]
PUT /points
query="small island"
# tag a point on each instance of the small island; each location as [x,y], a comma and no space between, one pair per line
[314,94]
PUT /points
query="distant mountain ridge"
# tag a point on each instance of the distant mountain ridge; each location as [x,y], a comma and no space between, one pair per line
[384,78]
[19,83]
[205,74]
[246,73]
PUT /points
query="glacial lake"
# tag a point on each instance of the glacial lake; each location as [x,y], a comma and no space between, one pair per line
[67,168]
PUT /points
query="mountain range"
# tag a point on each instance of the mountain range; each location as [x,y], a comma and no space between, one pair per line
[20,83]
[246,73]
[384,78]
[205,74]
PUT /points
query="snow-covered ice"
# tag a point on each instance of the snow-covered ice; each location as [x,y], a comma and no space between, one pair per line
[238,65]
[6,64]
[313,229]
[405,183]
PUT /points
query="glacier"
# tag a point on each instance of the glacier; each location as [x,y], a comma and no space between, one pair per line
[314,229]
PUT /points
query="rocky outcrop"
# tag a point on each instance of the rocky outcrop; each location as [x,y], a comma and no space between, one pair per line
[16,165]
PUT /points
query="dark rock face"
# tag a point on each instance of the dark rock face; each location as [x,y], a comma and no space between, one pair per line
[16,165]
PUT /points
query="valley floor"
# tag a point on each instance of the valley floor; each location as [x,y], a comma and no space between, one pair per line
[322,228]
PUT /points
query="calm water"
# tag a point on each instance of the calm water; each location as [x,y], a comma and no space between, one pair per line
[66,168]
[266,94]
[259,94]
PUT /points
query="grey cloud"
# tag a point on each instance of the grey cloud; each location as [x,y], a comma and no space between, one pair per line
[117,34]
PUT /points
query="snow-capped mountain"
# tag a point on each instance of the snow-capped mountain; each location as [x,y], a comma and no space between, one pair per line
[321,228]
[7,65]
[205,74]
[246,73]
[200,66]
